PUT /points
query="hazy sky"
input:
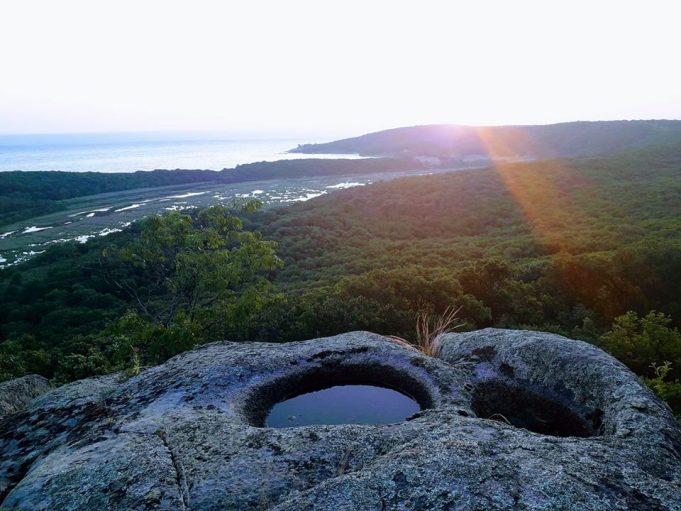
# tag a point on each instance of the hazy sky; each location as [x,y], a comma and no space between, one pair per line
[333,66]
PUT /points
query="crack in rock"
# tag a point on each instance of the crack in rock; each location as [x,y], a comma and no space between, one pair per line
[180,476]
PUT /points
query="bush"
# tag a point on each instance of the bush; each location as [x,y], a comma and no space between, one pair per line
[670,391]
[642,342]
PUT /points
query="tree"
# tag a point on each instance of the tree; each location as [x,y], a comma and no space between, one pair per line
[192,278]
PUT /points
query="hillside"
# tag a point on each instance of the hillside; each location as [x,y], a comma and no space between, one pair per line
[532,241]
[517,142]
[568,246]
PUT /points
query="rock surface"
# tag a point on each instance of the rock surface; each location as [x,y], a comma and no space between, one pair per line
[15,395]
[510,420]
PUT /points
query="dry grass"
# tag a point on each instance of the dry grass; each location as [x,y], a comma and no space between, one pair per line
[344,462]
[500,418]
[429,331]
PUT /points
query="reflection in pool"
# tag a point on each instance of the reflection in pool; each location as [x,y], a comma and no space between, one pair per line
[343,404]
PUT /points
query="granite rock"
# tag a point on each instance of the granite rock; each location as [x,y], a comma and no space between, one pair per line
[509,420]
[15,395]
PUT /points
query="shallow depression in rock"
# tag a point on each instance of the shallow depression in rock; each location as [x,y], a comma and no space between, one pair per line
[343,404]
[527,409]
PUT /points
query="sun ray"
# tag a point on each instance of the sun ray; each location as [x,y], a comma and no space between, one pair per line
[545,191]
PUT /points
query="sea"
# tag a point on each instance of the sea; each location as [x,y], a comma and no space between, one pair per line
[129,152]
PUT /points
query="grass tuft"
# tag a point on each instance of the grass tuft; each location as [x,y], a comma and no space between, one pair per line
[429,331]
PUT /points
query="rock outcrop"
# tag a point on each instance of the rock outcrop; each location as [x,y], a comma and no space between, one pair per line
[509,420]
[15,395]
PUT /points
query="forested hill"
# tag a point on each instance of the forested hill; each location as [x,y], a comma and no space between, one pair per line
[598,235]
[28,194]
[589,247]
[529,142]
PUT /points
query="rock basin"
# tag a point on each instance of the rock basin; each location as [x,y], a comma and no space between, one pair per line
[343,404]
[508,420]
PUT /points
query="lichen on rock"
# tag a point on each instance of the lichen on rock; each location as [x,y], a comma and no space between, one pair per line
[15,395]
[509,420]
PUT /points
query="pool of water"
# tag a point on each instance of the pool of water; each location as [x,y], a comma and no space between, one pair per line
[343,404]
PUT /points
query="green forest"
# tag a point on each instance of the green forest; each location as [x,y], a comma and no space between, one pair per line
[589,248]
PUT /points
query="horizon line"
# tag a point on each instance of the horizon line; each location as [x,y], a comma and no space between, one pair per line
[292,133]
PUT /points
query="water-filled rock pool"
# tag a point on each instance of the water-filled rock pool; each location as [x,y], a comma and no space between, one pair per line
[343,404]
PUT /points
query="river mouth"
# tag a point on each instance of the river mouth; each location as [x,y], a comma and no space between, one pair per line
[343,404]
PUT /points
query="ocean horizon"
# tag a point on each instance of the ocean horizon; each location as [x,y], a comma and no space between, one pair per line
[130,152]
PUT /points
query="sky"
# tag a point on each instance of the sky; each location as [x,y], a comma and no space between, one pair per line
[337,67]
